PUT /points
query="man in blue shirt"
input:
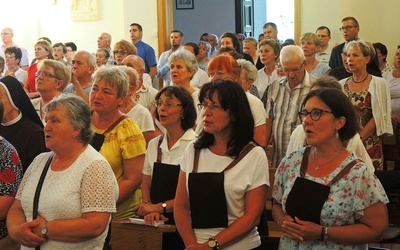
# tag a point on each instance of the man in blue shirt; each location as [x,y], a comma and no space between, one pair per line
[145,51]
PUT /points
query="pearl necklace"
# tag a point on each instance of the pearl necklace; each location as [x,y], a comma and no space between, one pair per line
[319,166]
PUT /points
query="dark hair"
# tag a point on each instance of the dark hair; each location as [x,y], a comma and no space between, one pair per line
[340,106]
[382,48]
[232,97]
[235,41]
[105,51]
[137,25]
[1,110]
[189,114]
[64,48]
[204,34]
[327,82]
[72,45]
[323,28]
[177,31]
[14,50]
[355,22]
[273,25]
[229,51]
[194,46]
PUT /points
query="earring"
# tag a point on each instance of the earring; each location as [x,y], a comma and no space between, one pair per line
[337,134]
[182,117]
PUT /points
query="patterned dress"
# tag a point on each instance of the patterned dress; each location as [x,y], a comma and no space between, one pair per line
[346,202]
[363,107]
[10,175]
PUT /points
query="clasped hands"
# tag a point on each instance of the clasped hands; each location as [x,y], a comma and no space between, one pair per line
[30,233]
[150,212]
[299,230]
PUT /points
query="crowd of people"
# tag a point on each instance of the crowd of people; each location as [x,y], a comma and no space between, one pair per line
[85,138]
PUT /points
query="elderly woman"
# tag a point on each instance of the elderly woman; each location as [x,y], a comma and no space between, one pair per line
[11,175]
[183,66]
[122,49]
[371,98]
[21,125]
[204,55]
[217,163]
[176,112]
[324,196]
[102,56]
[42,51]
[123,144]
[51,79]
[269,50]
[137,112]
[78,218]
[298,136]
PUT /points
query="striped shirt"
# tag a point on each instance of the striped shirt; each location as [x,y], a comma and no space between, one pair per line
[283,105]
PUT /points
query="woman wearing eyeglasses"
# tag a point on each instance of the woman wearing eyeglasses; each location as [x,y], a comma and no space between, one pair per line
[51,79]
[42,51]
[176,112]
[324,196]
[371,98]
[223,181]
[123,144]
[122,49]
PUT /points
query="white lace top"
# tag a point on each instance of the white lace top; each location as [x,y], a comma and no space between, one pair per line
[88,185]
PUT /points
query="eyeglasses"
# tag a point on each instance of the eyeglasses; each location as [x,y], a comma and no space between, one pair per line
[315,114]
[122,52]
[5,33]
[211,106]
[167,104]
[347,28]
[46,75]
[9,57]
[295,70]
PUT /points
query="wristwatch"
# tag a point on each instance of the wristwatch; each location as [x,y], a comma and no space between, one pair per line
[164,207]
[44,231]
[213,243]
[326,236]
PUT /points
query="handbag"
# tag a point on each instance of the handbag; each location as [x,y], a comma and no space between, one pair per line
[98,139]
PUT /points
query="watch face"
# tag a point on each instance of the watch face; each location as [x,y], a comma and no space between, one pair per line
[164,205]
[211,243]
[44,230]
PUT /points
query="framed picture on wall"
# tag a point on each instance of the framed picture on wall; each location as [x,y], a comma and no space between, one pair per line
[184,4]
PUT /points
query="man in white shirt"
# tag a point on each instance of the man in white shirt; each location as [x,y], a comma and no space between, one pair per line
[7,35]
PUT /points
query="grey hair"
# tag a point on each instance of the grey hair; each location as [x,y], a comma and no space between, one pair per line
[78,113]
[289,52]
[132,75]
[251,70]
[188,58]
[365,47]
[60,70]
[113,76]
[90,58]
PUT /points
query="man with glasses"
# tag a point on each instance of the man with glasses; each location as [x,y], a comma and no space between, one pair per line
[104,42]
[324,53]
[176,40]
[7,35]
[284,98]
[83,66]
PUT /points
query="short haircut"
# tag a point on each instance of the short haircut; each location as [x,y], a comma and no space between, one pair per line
[194,46]
[382,48]
[177,31]
[326,82]
[90,58]
[249,68]
[64,48]
[188,58]
[105,52]
[323,28]
[251,40]
[137,25]
[273,25]
[366,48]
[14,50]
[289,52]
[132,74]
[45,38]
[204,34]
[311,36]
[205,45]
[225,62]
[127,46]
[340,105]
[233,99]
[71,45]
[61,71]
[78,113]
[235,41]
[189,114]
[46,46]
[114,76]
[355,22]
[273,43]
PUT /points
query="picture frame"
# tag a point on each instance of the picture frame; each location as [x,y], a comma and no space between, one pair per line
[184,4]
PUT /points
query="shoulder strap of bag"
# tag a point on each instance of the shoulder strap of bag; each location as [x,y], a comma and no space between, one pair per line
[304,161]
[344,171]
[242,154]
[115,124]
[39,186]
[159,153]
